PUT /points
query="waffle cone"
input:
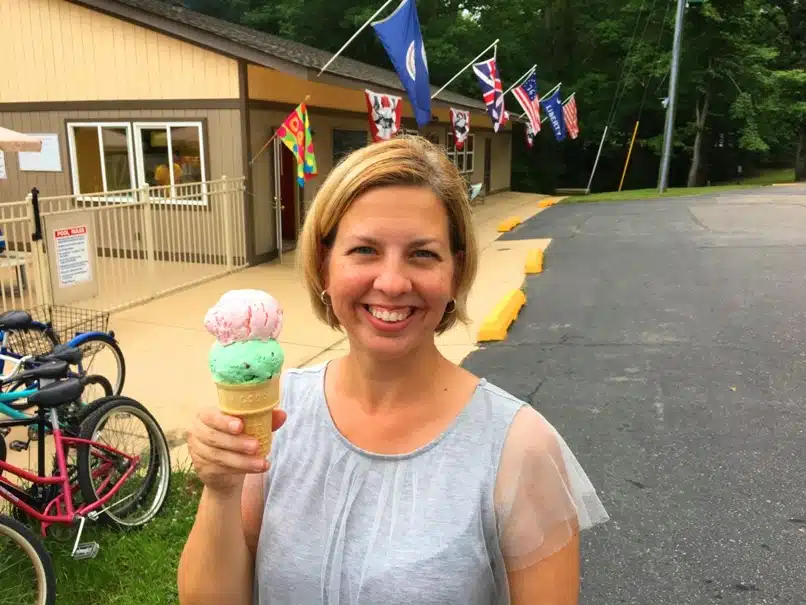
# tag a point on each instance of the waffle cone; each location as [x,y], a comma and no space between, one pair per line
[253,404]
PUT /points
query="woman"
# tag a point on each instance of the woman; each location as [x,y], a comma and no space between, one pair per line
[397,476]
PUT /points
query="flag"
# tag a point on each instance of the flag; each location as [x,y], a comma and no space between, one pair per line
[384,115]
[554,109]
[460,121]
[401,37]
[295,133]
[530,135]
[526,94]
[490,83]
[571,118]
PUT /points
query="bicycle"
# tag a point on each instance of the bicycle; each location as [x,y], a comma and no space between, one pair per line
[99,477]
[35,333]
[19,385]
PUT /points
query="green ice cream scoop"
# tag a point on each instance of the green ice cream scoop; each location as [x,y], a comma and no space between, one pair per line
[246,362]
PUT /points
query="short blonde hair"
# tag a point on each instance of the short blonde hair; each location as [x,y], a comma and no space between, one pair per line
[402,161]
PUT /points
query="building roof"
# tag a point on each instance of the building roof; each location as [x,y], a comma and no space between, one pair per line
[247,43]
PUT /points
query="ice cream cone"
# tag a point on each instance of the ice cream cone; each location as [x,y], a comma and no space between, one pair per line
[253,404]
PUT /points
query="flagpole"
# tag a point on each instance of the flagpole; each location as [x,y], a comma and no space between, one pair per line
[522,78]
[549,93]
[569,98]
[272,137]
[494,44]
[596,163]
[355,35]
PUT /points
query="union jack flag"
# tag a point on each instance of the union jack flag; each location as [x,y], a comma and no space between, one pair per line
[571,119]
[526,94]
[490,83]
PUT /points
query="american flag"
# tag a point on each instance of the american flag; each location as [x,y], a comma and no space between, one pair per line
[526,94]
[571,119]
[490,83]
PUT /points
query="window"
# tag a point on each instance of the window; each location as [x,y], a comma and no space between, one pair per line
[121,156]
[464,158]
[171,156]
[102,157]
[347,141]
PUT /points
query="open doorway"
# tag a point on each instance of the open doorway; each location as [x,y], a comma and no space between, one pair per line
[287,198]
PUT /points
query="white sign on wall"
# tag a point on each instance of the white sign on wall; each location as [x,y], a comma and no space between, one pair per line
[47,160]
[3,165]
[73,263]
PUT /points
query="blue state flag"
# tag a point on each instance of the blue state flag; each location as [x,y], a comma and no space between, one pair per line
[401,37]
[554,110]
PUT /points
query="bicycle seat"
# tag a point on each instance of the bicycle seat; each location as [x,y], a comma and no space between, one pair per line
[64,352]
[56,394]
[15,320]
[51,370]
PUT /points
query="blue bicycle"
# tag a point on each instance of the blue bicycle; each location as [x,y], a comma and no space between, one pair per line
[52,329]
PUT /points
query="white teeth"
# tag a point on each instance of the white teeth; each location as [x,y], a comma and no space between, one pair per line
[390,316]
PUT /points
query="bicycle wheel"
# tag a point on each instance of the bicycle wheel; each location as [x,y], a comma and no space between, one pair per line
[26,570]
[142,495]
[102,356]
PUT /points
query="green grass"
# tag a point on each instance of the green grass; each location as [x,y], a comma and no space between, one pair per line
[767,178]
[133,567]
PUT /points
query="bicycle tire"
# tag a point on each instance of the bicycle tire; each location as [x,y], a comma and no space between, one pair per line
[159,460]
[117,388]
[80,410]
[33,547]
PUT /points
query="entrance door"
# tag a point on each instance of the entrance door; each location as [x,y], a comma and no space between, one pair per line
[285,197]
[488,159]
[288,195]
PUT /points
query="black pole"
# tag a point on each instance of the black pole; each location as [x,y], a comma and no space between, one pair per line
[37,234]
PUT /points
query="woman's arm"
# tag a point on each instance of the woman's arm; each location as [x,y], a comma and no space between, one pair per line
[217,564]
[552,581]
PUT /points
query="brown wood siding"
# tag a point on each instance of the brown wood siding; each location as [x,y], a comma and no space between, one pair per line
[222,144]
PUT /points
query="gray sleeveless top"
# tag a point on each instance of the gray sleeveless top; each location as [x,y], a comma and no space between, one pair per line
[343,526]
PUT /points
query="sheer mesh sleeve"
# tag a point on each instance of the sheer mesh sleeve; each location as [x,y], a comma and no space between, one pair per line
[542,495]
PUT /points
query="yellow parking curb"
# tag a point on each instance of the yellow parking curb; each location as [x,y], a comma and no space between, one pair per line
[549,201]
[508,224]
[497,323]
[786,184]
[534,261]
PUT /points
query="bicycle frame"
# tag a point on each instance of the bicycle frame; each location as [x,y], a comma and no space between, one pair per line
[65,512]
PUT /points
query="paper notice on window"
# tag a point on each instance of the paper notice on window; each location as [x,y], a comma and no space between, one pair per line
[47,160]
[73,255]
[3,165]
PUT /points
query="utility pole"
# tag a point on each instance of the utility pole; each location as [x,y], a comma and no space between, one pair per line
[669,133]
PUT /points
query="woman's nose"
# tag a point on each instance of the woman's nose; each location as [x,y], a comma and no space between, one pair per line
[392,279]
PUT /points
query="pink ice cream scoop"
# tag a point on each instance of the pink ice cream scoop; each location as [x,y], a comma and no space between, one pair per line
[241,315]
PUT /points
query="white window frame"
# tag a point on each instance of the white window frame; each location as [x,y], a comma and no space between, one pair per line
[141,172]
[71,126]
[453,153]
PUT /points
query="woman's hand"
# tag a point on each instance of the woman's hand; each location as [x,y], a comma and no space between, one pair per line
[221,454]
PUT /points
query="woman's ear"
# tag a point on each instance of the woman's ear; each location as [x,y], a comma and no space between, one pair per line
[324,268]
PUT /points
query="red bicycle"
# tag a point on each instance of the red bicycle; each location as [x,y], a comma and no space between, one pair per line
[91,478]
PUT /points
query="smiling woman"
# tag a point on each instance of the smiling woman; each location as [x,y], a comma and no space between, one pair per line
[397,477]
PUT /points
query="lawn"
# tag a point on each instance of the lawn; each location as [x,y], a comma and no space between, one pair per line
[134,567]
[766,178]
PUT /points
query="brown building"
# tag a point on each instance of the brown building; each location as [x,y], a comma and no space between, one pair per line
[143,92]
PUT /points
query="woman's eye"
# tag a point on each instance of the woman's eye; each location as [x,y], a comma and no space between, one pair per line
[362,250]
[426,254]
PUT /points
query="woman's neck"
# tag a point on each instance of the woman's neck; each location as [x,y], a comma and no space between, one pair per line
[380,385]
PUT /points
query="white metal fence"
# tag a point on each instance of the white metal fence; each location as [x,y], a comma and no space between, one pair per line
[148,242]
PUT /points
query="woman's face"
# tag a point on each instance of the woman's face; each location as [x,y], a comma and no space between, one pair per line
[390,271]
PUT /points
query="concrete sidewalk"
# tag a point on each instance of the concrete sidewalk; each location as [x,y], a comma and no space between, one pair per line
[166,345]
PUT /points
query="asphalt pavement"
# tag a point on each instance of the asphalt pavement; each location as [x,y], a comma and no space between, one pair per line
[666,341]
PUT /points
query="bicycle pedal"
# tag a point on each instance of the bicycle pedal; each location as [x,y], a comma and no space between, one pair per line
[88,550]
[18,446]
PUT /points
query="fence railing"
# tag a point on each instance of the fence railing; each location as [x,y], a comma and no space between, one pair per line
[148,242]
